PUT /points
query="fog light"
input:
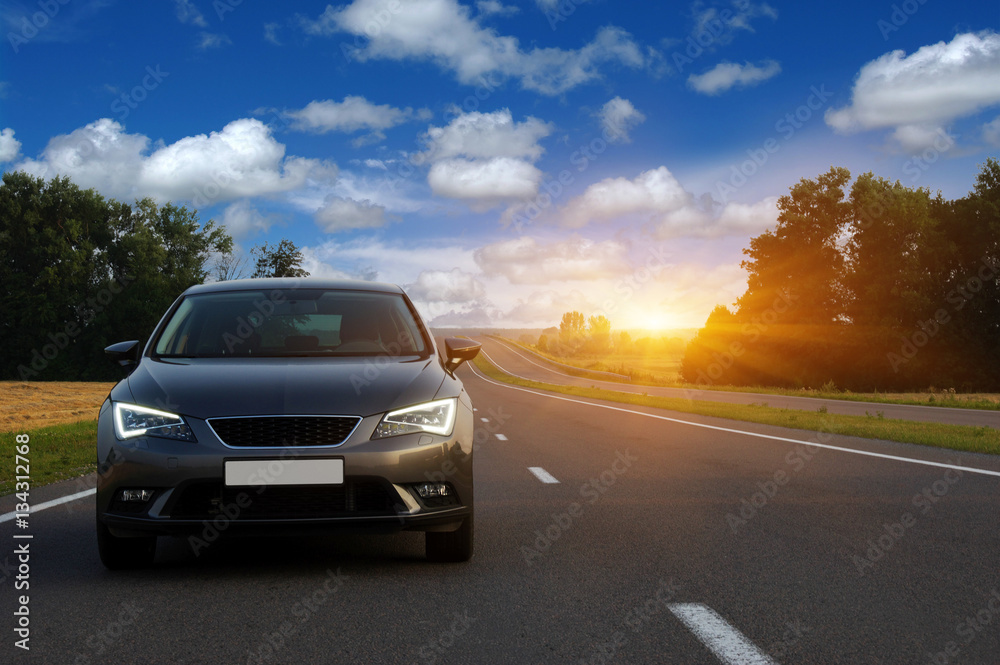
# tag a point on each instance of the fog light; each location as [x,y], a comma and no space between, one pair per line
[429,490]
[135,495]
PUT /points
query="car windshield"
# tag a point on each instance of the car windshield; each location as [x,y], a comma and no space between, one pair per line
[286,322]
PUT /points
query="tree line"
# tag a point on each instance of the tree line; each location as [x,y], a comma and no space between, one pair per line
[81,272]
[875,286]
[580,335]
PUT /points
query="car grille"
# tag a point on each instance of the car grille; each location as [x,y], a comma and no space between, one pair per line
[284,431]
[355,498]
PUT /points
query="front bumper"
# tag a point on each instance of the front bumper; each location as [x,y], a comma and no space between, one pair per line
[125,526]
[189,495]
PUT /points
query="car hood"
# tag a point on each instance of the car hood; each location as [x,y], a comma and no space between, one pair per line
[214,387]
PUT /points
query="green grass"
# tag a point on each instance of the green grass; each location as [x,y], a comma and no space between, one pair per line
[56,453]
[954,437]
[662,371]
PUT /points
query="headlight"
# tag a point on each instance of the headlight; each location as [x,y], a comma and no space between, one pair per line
[436,417]
[132,421]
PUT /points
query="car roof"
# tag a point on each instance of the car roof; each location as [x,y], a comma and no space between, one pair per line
[293,283]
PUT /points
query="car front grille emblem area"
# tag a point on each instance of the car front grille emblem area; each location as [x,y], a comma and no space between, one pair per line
[284,431]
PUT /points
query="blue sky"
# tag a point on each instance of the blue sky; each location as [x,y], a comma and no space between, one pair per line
[503,161]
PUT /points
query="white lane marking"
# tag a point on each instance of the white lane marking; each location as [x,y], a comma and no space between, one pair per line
[500,437]
[49,504]
[758,435]
[507,371]
[485,420]
[547,369]
[543,475]
[728,644]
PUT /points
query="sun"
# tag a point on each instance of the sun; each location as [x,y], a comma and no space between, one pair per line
[653,321]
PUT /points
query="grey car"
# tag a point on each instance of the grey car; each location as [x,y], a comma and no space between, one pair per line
[282,406]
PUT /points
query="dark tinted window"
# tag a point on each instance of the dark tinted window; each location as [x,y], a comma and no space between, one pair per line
[291,322]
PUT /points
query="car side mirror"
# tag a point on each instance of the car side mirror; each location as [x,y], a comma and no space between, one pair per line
[125,354]
[458,350]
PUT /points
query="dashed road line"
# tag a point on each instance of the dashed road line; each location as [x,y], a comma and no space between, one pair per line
[758,435]
[728,644]
[543,475]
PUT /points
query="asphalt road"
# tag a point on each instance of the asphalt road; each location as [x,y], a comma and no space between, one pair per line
[527,365]
[661,541]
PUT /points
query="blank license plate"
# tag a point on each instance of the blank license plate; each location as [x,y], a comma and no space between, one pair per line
[284,472]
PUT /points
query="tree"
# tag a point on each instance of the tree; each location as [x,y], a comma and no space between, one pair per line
[228,267]
[970,287]
[802,255]
[893,254]
[50,234]
[710,355]
[623,344]
[887,288]
[599,332]
[81,272]
[282,260]
[572,331]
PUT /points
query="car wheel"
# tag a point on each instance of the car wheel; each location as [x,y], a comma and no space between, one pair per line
[121,553]
[450,546]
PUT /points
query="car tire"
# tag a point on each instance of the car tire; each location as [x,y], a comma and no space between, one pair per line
[450,546]
[123,553]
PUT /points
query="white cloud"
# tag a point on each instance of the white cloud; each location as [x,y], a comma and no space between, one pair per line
[446,286]
[241,219]
[383,188]
[657,198]
[920,94]
[726,75]
[485,135]
[484,183]
[525,261]
[188,13]
[553,71]
[618,118]
[444,32]
[545,308]
[991,132]
[394,262]
[271,33]
[485,159]
[313,262]
[341,214]
[242,160]
[10,147]
[475,317]
[651,193]
[917,138]
[748,219]
[353,114]
[720,24]
[494,8]
[209,40]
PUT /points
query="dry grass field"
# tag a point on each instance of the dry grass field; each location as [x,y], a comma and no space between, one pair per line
[28,406]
